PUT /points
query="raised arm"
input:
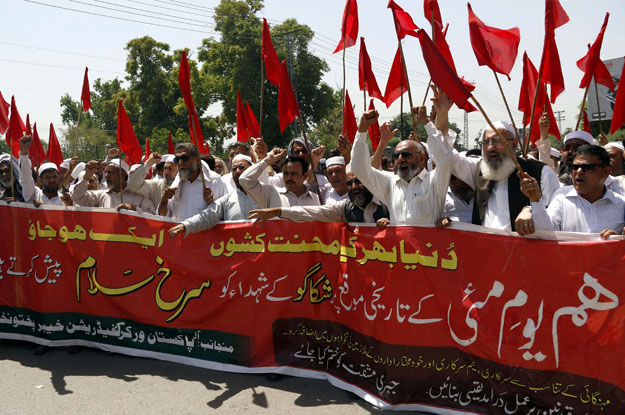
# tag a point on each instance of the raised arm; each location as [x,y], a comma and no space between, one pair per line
[250,178]
[385,136]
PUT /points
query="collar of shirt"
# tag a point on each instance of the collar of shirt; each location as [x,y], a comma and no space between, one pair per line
[307,193]
[608,195]
[421,176]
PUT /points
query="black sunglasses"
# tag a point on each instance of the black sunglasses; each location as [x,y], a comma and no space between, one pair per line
[405,154]
[186,157]
[586,168]
[349,183]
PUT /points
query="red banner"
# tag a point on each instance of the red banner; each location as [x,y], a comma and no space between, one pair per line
[415,318]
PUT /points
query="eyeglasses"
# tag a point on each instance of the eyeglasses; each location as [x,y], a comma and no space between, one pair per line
[349,183]
[587,167]
[185,157]
[242,168]
[405,154]
[494,141]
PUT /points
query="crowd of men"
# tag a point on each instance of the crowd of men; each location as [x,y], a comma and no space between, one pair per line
[580,189]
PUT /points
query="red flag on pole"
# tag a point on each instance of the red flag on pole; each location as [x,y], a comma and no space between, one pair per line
[550,67]
[36,153]
[586,122]
[242,132]
[349,28]
[374,130]
[252,122]
[443,75]
[170,144]
[85,95]
[54,149]
[404,25]
[16,128]
[272,63]
[4,114]
[432,13]
[618,113]
[27,125]
[288,109]
[366,78]
[493,47]
[126,138]
[591,63]
[397,83]
[195,129]
[526,98]
[350,128]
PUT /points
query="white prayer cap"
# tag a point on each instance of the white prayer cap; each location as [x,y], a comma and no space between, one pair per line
[47,166]
[134,167]
[65,164]
[124,165]
[348,168]
[615,144]
[78,169]
[168,158]
[337,160]
[580,135]
[555,153]
[239,157]
[500,125]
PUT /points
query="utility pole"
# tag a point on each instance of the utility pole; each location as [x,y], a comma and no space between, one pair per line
[559,117]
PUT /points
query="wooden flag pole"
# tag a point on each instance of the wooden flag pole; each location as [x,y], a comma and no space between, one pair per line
[316,184]
[598,107]
[505,101]
[262,94]
[364,94]
[427,90]
[581,111]
[344,44]
[200,159]
[529,134]
[76,139]
[401,107]
[501,137]
[121,190]
[11,164]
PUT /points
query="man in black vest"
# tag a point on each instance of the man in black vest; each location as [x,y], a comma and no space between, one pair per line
[361,207]
[498,197]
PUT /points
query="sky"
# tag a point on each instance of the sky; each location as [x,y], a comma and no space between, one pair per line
[46,45]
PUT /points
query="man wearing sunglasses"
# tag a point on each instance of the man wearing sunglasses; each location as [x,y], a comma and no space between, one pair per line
[155,187]
[413,195]
[361,207]
[586,206]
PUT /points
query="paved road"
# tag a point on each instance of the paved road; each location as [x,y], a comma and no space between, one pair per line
[95,382]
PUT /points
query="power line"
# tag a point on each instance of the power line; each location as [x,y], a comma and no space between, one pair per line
[61,51]
[167,8]
[60,67]
[149,11]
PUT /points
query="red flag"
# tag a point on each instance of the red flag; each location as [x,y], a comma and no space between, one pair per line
[36,153]
[591,63]
[404,25]
[550,67]
[350,128]
[85,95]
[432,14]
[374,130]
[587,123]
[147,150]
[443,76]
[526,98]
[272,63]
[618,113]
[397,83]
[4,114]
[16,129]
[495,48]
[170,144]
[195,129]
[252,122]
[126,138]
[366,78]
[349,28]
[54,149]
[242,129]
[27,125]
[288,109]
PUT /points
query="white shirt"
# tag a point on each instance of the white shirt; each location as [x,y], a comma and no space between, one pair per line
[233,206]
[458,209]
[331,196]
[30,192]
[266,195]
[497,213]
[418,202]
[151,188]
[189,197]
[231,186]
[278,181]
[108,198]
[569,212]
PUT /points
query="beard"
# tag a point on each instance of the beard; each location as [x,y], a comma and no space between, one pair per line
[496,169]
[362,199]
[413,169]
[6,182]
[186,173]
[50,189]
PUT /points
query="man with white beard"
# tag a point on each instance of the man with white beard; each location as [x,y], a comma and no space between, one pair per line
[498,197]
[10,191]
[153,188]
